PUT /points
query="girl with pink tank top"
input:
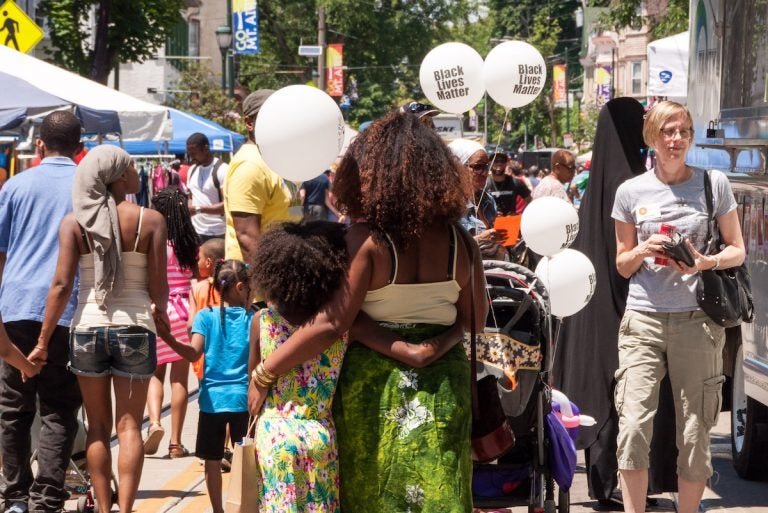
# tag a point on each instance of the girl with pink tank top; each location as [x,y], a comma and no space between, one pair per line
[182,259]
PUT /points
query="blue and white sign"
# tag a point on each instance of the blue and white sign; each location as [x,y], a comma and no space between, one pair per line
[245,26]
[668,67]
[665,76]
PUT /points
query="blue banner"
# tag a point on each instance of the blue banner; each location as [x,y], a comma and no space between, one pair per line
[245,26]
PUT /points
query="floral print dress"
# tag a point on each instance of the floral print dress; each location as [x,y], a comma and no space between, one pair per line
[295,434]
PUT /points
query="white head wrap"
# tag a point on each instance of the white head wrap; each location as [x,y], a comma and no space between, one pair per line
[464,148]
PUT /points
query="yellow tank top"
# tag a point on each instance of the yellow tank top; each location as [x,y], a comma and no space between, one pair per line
[416,303]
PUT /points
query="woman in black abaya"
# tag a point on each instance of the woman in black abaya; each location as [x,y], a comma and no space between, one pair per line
[587,350]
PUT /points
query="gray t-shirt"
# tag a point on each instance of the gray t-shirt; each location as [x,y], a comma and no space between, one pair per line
[646,202]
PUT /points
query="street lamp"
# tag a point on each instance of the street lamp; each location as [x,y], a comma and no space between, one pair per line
[224,40]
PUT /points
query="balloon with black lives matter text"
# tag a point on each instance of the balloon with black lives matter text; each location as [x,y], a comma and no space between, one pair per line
[549,225]
[570,279]
[514,74]
[451,77]
[300,132]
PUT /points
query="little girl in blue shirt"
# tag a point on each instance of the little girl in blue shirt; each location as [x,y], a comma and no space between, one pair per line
[221,334]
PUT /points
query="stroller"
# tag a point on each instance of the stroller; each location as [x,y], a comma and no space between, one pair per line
[515,348]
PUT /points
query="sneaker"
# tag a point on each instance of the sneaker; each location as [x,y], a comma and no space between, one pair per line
[226,461]
[155,433]
[18,507]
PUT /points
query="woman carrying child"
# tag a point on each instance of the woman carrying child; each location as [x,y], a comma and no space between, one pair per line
[221,336]
[120,249]
[410,270]
[182,261]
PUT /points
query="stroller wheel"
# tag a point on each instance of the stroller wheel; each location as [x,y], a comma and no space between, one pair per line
[549,506]
[563,501]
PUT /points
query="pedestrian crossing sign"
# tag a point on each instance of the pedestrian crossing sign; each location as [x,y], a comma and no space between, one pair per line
[17,30]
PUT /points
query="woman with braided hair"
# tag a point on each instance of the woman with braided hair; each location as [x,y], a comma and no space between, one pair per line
[182,250]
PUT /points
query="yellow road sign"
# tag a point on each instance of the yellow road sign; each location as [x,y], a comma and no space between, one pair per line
[17,30]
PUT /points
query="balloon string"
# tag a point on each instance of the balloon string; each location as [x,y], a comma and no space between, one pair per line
[476,203]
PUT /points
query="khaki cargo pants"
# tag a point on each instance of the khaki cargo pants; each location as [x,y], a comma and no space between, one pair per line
[688,346]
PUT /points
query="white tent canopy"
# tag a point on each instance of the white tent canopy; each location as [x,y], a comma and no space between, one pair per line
[139,120]
[668,66]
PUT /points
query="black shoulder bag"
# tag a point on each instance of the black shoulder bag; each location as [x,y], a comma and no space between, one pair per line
[724,294]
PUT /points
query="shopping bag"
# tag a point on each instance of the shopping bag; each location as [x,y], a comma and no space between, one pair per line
[245,477]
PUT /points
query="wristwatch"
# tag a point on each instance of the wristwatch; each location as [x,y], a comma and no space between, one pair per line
[197,209]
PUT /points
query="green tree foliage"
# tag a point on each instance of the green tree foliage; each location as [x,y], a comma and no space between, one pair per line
[551,28]
[125,31]
[626,13]
[204,97]
[384,43]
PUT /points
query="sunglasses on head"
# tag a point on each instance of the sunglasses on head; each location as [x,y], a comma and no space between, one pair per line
[417,108]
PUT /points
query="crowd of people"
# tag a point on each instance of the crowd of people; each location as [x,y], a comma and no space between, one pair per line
[303,326]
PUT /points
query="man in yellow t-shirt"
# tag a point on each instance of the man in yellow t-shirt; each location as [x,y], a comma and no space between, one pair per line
[254,195]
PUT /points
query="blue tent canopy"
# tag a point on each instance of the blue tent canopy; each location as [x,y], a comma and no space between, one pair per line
[184,125]
[21,99]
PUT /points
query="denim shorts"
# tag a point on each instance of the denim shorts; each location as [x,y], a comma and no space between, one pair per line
[127,351]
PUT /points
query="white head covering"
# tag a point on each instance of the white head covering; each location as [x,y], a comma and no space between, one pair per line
[96,211]
[465,148]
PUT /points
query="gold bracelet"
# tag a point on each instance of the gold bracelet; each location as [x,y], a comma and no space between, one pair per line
[257,380]
[266,372]
[262,376]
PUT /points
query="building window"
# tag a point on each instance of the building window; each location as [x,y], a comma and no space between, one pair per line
[177,44]
[194,38]
[637,78]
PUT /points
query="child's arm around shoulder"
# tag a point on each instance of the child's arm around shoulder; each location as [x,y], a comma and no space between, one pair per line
[369,333]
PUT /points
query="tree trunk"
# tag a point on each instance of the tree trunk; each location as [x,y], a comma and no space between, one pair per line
[102,63]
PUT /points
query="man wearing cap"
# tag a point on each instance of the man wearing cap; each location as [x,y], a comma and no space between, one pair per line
[506,189]
[254,195]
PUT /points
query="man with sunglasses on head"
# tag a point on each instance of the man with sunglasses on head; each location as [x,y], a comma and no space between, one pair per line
[504,188]
[554,184]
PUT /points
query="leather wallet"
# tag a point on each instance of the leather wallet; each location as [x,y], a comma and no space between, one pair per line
[677,249]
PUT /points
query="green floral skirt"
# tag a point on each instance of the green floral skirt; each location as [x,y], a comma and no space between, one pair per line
[404,433]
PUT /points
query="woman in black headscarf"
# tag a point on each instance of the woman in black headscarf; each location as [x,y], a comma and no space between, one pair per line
[587,352]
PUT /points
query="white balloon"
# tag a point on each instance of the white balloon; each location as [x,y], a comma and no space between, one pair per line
[570,279]
[549,225]
[514,73]
[300,132]
[451,77]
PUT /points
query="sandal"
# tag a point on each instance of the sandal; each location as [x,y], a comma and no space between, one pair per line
[155,433]
[177,451]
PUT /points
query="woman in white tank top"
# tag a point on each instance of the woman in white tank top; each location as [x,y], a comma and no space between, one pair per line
[120,249]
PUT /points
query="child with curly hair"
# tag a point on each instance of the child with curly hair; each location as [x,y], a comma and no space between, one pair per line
[298,268]
[221,336]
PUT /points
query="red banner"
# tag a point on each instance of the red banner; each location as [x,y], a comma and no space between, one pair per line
[334,62]
[558,85]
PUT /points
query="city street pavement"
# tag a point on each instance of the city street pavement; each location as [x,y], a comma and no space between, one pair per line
[177,486]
